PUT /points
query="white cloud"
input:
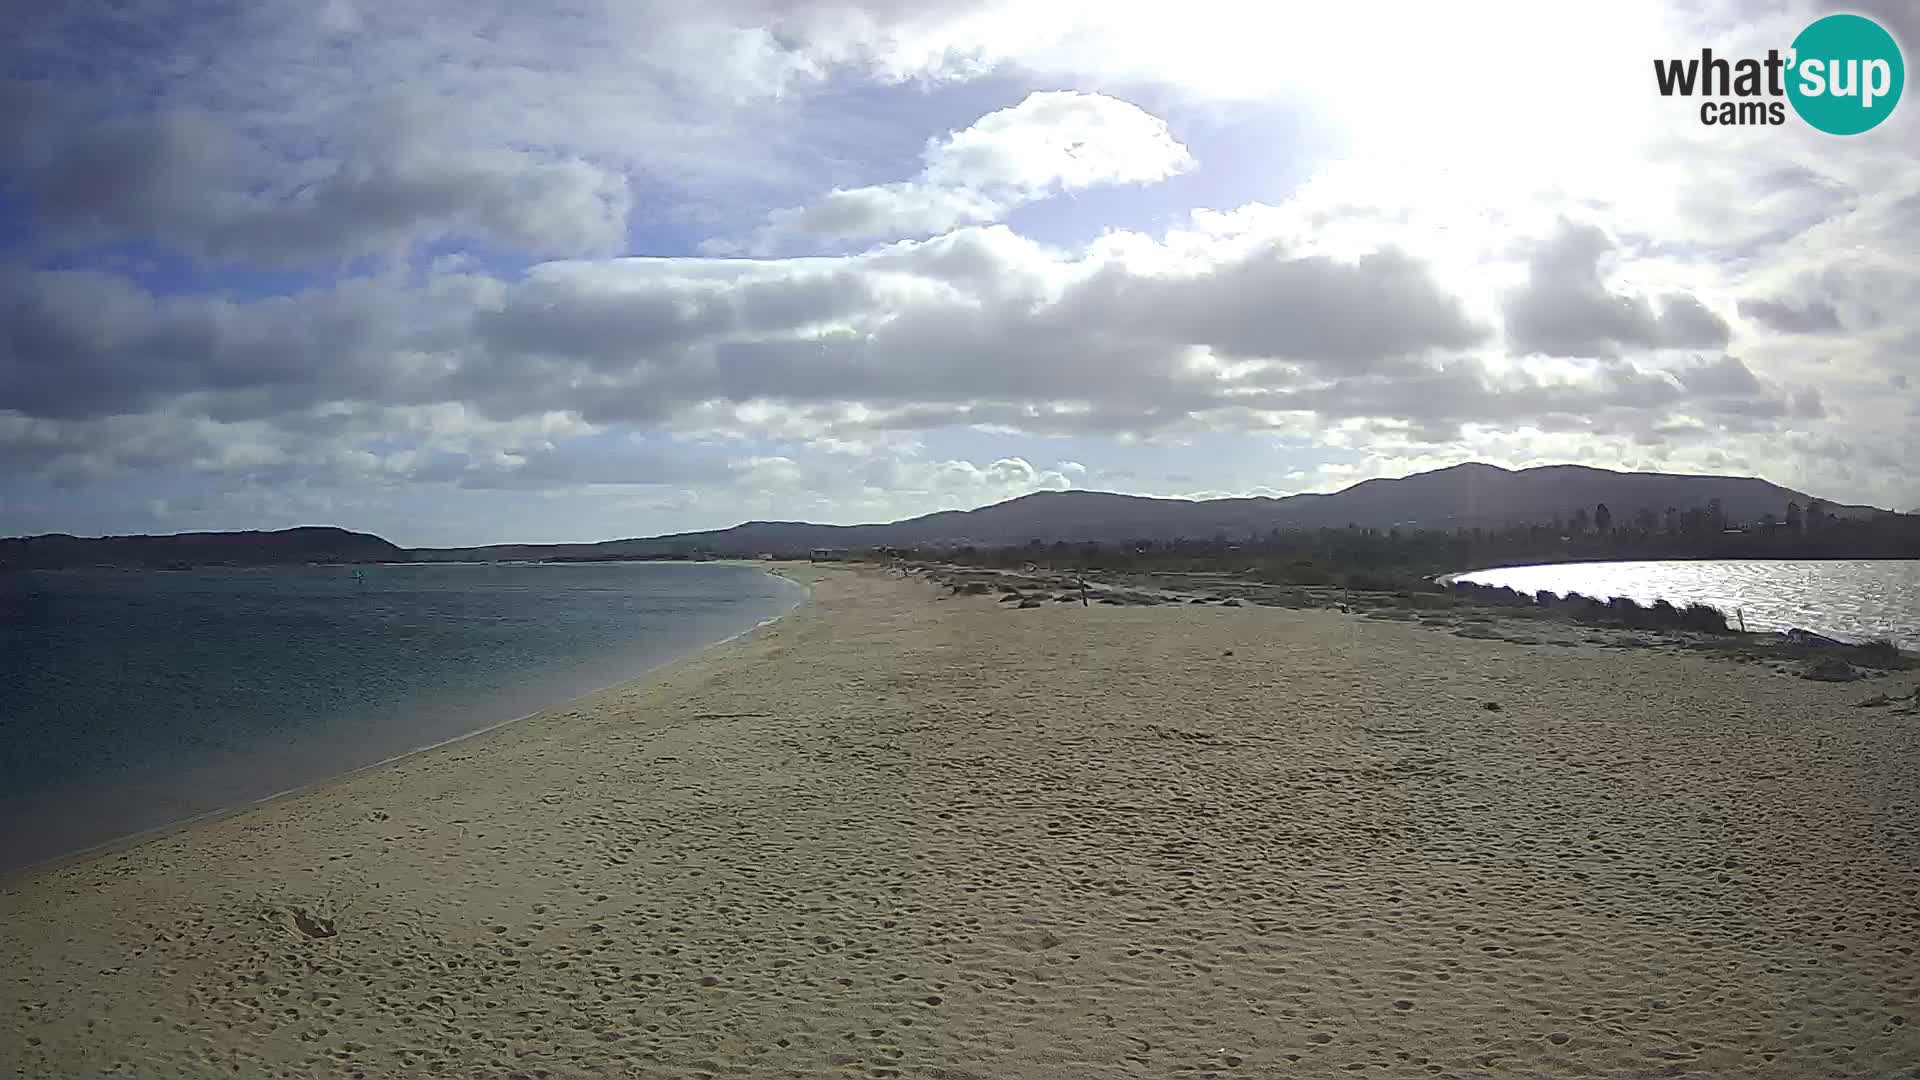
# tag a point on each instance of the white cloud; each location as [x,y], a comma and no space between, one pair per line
[1214,327]
[1057,140]
[1580,273]
[1051,142]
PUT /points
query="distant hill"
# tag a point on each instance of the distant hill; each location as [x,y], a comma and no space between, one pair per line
[1460,496]
[304,545]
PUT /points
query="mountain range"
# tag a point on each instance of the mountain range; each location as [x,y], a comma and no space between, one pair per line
[1466,495]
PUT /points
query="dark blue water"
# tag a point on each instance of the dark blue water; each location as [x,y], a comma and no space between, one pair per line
[132,700]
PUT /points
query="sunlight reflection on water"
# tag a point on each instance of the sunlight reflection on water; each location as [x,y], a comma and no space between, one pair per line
[1847,599]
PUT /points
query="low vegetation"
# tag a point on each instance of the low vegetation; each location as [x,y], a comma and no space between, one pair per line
[1365,557]
[1619,611]
[1378,572]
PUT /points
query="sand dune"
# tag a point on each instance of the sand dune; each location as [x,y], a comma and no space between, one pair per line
[902,833]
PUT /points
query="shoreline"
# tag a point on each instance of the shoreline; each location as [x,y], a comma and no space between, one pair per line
[913,833]
[1768,625]
[118,844]
[1436,601]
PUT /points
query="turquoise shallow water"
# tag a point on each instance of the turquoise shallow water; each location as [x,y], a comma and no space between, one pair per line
[129,701]
[1850,599]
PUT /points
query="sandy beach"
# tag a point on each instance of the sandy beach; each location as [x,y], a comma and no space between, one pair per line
[902,833]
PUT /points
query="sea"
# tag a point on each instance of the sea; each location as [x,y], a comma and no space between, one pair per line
[132,700]
[1853,600]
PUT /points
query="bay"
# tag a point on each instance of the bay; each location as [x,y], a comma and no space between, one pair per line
[131,700]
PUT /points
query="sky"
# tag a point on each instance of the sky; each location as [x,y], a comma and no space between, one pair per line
[479,271]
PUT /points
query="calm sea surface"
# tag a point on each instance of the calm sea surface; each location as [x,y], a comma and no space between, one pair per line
[1851,600]
[130,700]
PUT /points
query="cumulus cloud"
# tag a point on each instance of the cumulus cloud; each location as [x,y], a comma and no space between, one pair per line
[185,181]
[1051,142]
[1722,377]
[1267,304]
[76,344]
[1440,289]
[972,329]
[913,324]
[1057,140]
[1566,308]
[1812,317]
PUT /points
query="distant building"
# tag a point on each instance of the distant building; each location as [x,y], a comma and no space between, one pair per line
[766,556]
[828,555]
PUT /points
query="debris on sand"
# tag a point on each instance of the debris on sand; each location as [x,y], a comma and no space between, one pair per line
[1829,669]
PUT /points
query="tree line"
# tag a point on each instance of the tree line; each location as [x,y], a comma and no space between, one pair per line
[1338,555]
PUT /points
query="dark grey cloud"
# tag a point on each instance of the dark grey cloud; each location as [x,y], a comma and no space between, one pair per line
[1565,308]
[1805,403]
[605,328]
[1725,376]
[81,344]
[969,330]
[1810,317]
[639,347]
[1900,18]
[183,179]
[1686,323]
[1314,311]
[346,127]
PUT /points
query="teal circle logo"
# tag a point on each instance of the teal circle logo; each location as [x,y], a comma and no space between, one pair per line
[1847,74]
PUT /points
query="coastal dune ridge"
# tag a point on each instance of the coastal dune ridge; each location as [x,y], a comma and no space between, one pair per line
[905,832]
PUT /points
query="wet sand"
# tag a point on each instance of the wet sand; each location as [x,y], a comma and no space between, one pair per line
[906,833]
